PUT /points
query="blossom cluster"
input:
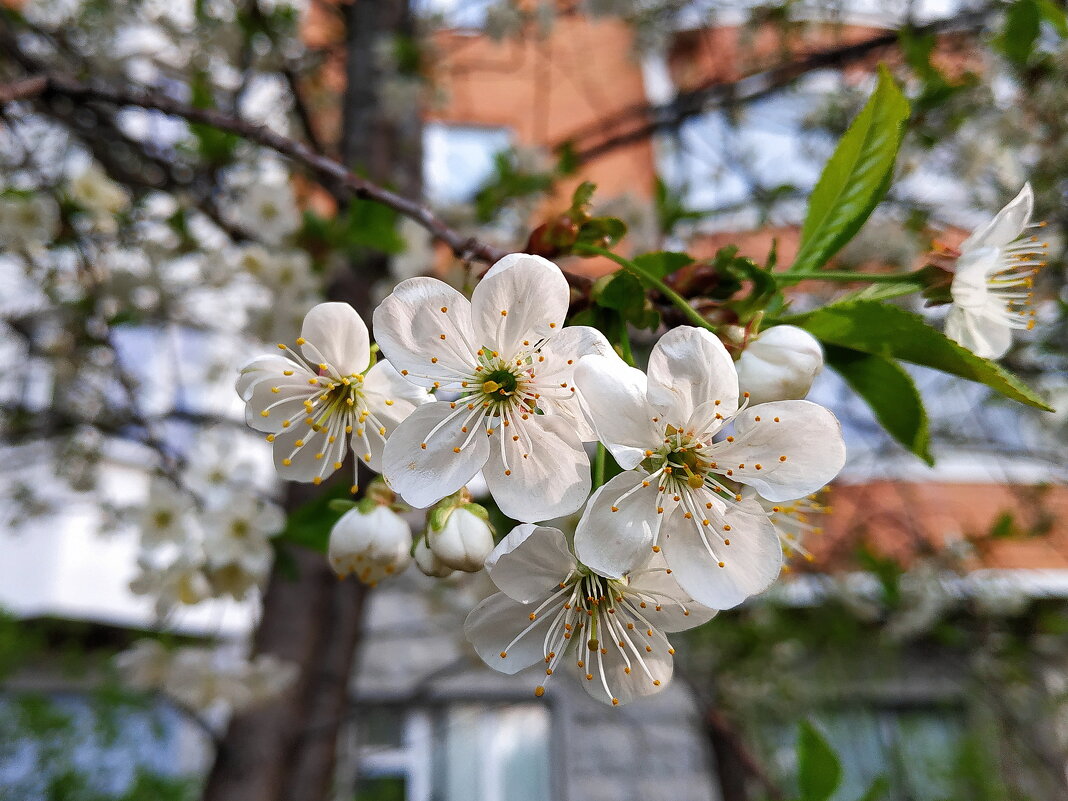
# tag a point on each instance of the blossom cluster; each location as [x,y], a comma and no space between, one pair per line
[205,679]
[496,388]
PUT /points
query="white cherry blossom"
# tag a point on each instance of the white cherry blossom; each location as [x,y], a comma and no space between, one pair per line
[239,533]
[101,197]
[992,285]
[508,361]
[166,515]
[555,612]
[428,562]
[28,222]
[319,400]
[686,447]
[463,543]
[180,581]
[268,210]
[371,544]
[779,364]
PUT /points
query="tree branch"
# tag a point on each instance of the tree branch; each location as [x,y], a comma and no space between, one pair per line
[638,122]
[325,169]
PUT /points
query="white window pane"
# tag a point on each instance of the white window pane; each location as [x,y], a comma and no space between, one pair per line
[494,754]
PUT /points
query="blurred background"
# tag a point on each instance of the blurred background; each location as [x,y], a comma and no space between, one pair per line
[920,628]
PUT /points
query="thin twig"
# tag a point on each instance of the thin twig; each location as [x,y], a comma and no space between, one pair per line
[326,169]
[638,122]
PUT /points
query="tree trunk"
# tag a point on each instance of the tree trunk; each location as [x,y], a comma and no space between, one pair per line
[286,750]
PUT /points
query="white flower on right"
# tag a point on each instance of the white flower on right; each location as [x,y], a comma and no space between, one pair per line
[683,466]
[779,364]
[992,285]
[553,610]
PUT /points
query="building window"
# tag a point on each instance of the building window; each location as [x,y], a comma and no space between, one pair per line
[453,753]
[459,159]
[492,753]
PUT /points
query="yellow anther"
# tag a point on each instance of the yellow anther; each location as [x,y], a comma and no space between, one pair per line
[301,340]
[287,462]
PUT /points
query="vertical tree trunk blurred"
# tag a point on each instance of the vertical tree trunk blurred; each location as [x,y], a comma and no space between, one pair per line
[286,751]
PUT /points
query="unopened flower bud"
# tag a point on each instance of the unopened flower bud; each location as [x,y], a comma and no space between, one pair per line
[427,561]
[372,544]
[779,364]
[465,540]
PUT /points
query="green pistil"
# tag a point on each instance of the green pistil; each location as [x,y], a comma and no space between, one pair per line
[500,384]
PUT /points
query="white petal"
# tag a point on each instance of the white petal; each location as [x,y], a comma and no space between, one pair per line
[614,543]
[496,622]
[613,398]
[521,298]
[409,325]
[549,469]
[808,435]
[751,563]
[969,288]
[303,464]
[424,475]
[562,354]
[989,339]
[623,673]
[687,367]
[383,383]
[263,368]
[1006,226]
[285,404]
[530,562]
[780,365]
[335,334]
[668,606]
[391,399]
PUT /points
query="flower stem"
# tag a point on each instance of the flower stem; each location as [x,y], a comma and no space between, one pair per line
[788,279]
[624,343]
[689,311]
[598,466]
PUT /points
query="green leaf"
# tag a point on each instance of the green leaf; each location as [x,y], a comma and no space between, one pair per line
[583,195]
[1023,24]
[663,263]
[891,394]
[818,770]
[856,176]
[877,790]
[623,292]
[893,333]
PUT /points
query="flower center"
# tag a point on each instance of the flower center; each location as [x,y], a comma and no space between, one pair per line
[500,385]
